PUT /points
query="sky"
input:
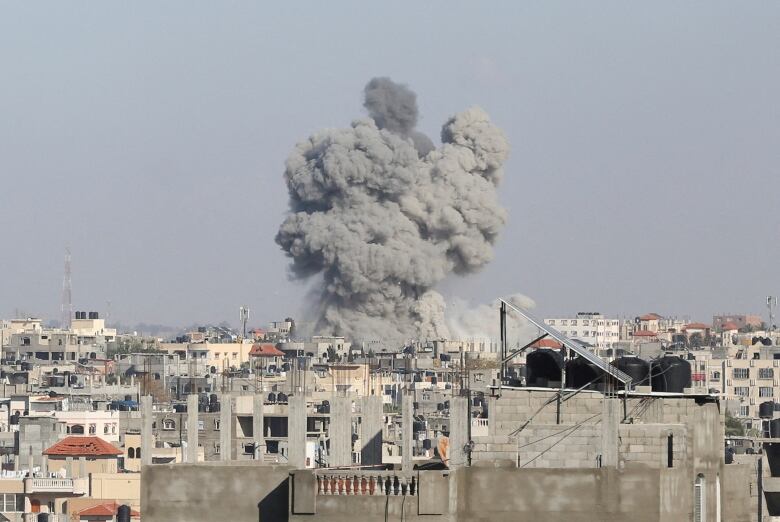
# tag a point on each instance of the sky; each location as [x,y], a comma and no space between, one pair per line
[150,139]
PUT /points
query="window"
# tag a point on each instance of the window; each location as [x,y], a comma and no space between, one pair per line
[765,391]
[106,429]
[138,453]
[574,322]
[12,502]
[574,333]
[131,453]
[201,425]
[216,448]
[766,373]
[169,424]
[670,451]
[216,424]
[551,322]
[585,322]
[716,376]
[741,373]
[744,411]
[742,391]
[564,322]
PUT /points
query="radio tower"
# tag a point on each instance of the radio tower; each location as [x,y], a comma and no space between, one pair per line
[66,308]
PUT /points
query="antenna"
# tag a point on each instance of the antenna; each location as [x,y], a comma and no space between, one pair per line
[243,316]
[66,308]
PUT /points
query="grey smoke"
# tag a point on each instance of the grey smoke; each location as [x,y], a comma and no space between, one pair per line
[383,225]
[393,106]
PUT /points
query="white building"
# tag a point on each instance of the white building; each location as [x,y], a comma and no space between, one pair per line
[589,327]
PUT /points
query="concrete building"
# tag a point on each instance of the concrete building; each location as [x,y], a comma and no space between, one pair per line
[590,327]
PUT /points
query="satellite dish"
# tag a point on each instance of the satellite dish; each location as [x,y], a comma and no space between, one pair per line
[637,320]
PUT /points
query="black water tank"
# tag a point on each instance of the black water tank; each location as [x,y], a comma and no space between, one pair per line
[180,408]
[123,513]
[766,410]
[543,367]
[581,372]
[281,397]
[272,397]
[43,517]
[325,406]
[638,369]
[670,374]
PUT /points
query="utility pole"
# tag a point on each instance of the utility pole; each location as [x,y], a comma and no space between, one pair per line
[66,307]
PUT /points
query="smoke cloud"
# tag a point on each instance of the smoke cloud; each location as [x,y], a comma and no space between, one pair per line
[383,216]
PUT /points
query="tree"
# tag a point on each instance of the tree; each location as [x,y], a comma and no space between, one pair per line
[734,427]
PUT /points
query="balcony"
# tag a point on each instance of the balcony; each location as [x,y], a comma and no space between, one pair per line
[67,486]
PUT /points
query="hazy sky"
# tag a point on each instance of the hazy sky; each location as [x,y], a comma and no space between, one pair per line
[151,137]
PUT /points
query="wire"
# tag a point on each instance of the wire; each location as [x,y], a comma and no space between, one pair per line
[557,432]
[575,428]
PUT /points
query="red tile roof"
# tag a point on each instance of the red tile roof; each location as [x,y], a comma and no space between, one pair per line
[645,333]
[265,350]
[650,317]
[106,509]
[696,326]
[546,343]
[730,326]
[90,446]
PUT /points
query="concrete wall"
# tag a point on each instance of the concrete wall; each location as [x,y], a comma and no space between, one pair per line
[214,491]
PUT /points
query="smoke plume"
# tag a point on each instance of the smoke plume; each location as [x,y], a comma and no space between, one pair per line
[383,215]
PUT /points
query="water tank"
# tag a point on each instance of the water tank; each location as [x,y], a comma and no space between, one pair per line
[272,397]
[638,369]
[43,517]
[581,372]
[543,368]
[766,410]
[123,513]
[670,374]
[180,408]
[14,420]
[325,406]
[281,397]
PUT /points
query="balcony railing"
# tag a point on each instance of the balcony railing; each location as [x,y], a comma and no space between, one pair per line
[54,485]
[365,483]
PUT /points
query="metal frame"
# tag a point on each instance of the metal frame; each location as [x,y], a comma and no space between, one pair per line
[565,341]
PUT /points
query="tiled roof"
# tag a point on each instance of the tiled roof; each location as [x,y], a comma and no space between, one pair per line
[696,326]
[106,509]
[265,350]
[645,333]
[546,343]
[650,317]
[82,447]
[730,326]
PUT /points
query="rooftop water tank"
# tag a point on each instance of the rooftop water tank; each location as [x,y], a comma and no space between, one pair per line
[123,513]
[543,368]
[636,368]
[766,410]
[670,374]
[580,372]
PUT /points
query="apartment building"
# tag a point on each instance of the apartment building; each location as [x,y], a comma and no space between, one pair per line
[590,327]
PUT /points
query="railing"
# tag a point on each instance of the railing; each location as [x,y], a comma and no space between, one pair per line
[365,483]
[61,485]
[33,517]
[479,428]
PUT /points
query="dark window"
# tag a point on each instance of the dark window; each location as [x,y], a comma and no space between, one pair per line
[670,451]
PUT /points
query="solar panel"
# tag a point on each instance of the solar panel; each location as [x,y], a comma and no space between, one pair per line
[572,345]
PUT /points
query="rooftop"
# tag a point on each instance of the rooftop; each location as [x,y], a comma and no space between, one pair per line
[265,350]
[89,446]
[106,509]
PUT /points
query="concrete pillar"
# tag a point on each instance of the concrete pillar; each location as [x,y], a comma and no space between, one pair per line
[296,430]
[492,417]
[407,427]
[610,420]
[371,431]
[191,456]
[82,467]
[30,460]
[44,465]
[257,425]
[459,419]
[225,427]
[147,442]
[68,467]
[340,432]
